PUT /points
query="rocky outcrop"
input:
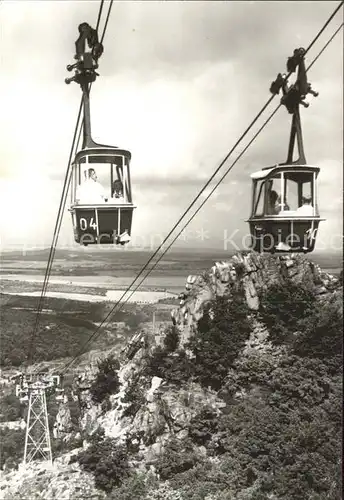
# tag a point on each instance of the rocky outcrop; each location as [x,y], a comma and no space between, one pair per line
[39,481]
[89,412]
[253,273]
[63,425]
[163,410]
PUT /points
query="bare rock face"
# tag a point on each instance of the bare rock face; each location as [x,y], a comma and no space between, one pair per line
[89,412]
[167,412]
[63,423]
[41,481]
[253,272]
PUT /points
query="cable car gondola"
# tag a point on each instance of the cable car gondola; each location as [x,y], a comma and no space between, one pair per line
[101,211]
[284,213]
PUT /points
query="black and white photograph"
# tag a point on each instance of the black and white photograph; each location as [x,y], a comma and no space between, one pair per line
[171,249]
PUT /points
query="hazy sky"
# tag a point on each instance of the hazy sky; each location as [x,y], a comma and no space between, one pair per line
[180,82]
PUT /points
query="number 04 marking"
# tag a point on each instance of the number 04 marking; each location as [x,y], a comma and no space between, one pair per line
[93,224]
[83,224]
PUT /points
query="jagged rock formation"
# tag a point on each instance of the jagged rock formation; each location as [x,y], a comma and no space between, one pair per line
[63,423]
[89,411]
[254,273]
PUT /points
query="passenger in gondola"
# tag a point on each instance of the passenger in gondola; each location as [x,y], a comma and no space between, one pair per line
[118,191]
[306,207]
[272,208]
[91,191]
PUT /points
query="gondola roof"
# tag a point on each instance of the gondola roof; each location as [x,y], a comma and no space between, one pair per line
[262,174]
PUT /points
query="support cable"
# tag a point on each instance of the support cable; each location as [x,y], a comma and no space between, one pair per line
[100,14]
[106,21]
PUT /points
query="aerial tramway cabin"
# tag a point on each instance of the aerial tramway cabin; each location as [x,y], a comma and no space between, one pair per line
[284,212]
[108,218]
[101,195]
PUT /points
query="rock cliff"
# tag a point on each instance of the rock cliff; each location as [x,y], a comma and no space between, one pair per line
[254,273]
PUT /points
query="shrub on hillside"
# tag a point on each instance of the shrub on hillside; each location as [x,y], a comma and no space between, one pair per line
[174,367]
[320,334]
[203,426]
[11,409]
[283,306]
[134,395]
[107,381]
[138,487]
[12,447]
[178,456]
[60,446]
[171,339]
[132,488]
[75,412]
[107,461]
[210,480]
[221,335]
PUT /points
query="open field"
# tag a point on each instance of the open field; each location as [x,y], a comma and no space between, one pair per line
[152,283]
[111,296]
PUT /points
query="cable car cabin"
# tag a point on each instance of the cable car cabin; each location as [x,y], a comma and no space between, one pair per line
[101,199]
[284,215]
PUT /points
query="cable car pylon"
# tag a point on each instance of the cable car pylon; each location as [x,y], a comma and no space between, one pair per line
[33,389]
[102,212]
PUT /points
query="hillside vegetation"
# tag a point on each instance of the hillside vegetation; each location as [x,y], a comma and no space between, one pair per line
[277,435]
[65,328]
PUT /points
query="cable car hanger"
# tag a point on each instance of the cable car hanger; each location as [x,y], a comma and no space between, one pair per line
[293,96]
[85,73]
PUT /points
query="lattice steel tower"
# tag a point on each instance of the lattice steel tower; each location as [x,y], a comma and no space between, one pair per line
[33,389]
